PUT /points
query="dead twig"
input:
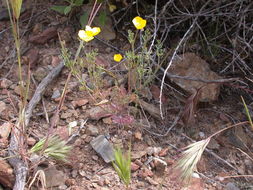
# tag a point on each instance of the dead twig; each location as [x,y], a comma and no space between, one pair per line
[19,165]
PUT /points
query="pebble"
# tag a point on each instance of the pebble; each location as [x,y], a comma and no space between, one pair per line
[56,94]
[92,130]
[5,83]
[2,106]
[31,141]
[5,130]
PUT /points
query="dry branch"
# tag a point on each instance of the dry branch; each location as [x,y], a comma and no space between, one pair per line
[19,165]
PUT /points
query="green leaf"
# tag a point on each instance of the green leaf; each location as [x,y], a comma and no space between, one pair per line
[67,10]
[102,18]
[60,9]
[101,1]
[247,112]
[78,2]
[83,19]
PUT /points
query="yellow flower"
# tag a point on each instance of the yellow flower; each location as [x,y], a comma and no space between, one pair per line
[83,35]
[92,31]
[89,33]
[117,57]
[112,8]
[139,22]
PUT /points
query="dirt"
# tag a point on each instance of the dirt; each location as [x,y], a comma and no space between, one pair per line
[85,168]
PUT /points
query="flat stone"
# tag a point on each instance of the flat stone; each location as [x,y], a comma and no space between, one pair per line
[103,147]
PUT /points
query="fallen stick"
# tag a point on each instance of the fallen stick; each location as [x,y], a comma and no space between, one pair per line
[20,167]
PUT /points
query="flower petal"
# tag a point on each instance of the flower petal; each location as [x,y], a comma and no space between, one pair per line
[139,22]
[117,57]
[92,31]
[83,35]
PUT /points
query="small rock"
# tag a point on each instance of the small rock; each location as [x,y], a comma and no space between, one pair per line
[151,181]
[92,130]
[231,186]
[40,73]
[213,144]
[145,172]
[153,150]
[99,112]
[74,173]
[2,106]
[140,185]
[138,154]
[54,177]
[5,83]
[79,103]
[134,167]
[31,141]
[94,157]
[56,94]
[7,177]
[160,165]
[63,187]
[103,147]
[55,61]
[106,181]
[17,89]
[66,115]
[138,135]
[5,130]
[201,134]
[163,152]
[107,120]
[70,182]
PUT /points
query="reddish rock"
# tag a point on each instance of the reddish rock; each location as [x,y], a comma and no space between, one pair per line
[5,130]
[70,182]
[31,141]
[160,166]
[7,177]
[134,167]
[163,152]
[5,83]
[145,172]
[79,103]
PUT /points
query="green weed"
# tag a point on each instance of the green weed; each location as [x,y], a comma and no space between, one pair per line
[122,165]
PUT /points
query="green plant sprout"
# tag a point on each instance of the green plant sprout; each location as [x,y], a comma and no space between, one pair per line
[247,112]
[56,148]
[122,165]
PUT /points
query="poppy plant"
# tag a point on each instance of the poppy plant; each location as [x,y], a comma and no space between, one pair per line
[139,22]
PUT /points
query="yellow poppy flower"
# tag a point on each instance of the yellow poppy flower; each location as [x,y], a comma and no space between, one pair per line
[92,31]
[117,57]
[84,35]
[139,22]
